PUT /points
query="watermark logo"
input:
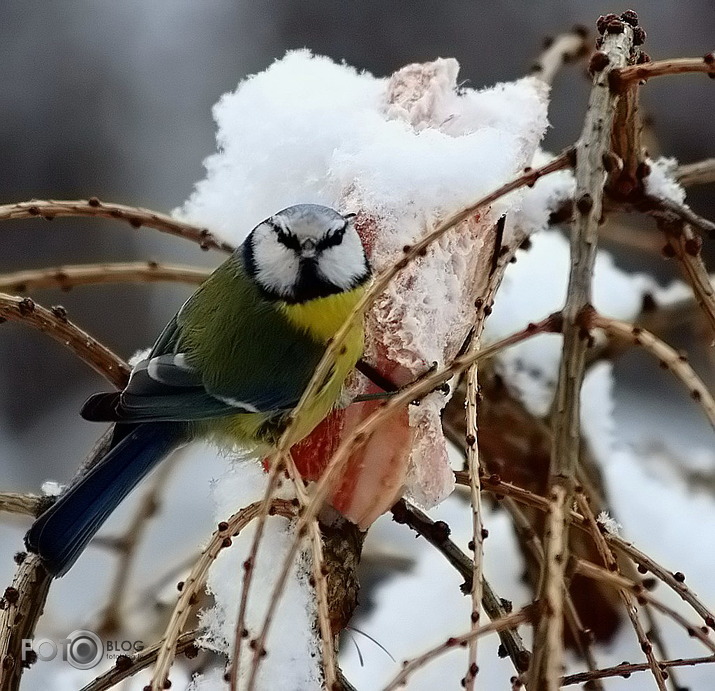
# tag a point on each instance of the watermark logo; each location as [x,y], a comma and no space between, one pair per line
[82,649]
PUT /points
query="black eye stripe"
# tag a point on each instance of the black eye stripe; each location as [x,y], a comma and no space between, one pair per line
[332,240]
[285,238]
[289,240]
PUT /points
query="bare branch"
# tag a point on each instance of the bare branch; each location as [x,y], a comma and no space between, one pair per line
[565,48]
[618,581]
[17,502]
[475,496]
[67,277]
[626,669]
[507,622]
[134,216]
[582,639]
[675,581]
[197,578]
[321,590]
[628,598]
[698,173]
[21,606]
[276,470]
[497,486]
[437,534]
[653,205]
[668,358]
[56,325]
[185,643]
[591,150]
[625,76]
[685,246]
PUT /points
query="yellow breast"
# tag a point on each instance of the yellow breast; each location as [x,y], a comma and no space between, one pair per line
[320,319]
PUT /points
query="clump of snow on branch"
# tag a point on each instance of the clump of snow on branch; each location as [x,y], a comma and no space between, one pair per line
[661,182]
[308,129]
[405,152]
[293,651]
[610,525]
[50,488]
[538,202]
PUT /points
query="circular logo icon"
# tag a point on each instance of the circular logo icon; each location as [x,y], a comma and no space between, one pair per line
[84,649]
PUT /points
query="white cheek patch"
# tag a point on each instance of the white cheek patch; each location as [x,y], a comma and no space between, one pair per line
[276,265]
[344,264]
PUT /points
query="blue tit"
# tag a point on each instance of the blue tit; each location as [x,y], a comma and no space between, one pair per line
[230,366]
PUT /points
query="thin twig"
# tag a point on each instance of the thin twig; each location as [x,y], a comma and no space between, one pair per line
[590,570]
[508,622]
[565,48]
[652,205]
[655,637]
[55,324]
[437,534]
[626,154]
[668,357]
[685,246]
[276,470]
[626,669]
[185,643]
[628,598]
[675,581]
[580,636]
[625,76]
[548,647]
[321,589]
[134,216]
[475,495]
[67,277]
[194,583]
[590,173]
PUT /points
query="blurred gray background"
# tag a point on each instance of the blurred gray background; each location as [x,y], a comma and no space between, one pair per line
[113,99]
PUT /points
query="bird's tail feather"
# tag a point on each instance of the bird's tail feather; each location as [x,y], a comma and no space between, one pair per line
[61,533]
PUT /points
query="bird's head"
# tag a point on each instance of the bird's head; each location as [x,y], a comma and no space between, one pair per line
[305,252]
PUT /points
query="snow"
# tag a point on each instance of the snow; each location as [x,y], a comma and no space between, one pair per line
[405,152]
[610,525]
[51,488]
[535,287]
[538,202]
[293,659]
[661,181]
[308,129]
